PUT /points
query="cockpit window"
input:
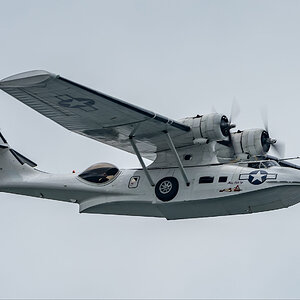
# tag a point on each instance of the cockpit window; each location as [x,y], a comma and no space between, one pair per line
[262,165]
[254,165]
[268,164]
[100,173]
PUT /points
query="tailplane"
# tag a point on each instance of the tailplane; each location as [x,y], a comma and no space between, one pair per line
[12,163]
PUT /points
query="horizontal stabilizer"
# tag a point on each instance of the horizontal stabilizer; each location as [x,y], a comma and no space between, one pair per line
[22,159]
[2,138]
[18,156]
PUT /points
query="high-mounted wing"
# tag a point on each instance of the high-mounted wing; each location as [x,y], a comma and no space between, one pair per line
[94,114]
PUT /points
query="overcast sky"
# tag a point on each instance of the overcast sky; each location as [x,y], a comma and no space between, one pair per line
[177,58]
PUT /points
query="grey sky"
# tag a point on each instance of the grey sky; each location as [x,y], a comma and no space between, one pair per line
[177,58]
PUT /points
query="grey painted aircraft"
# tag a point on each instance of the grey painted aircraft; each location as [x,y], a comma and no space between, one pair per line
[199,169]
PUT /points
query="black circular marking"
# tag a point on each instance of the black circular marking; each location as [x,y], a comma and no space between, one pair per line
[258,177]
[188,157]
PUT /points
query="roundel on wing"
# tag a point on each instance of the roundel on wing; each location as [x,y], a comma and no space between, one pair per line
[257,177]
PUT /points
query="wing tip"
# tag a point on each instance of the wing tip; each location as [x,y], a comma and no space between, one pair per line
[25,79]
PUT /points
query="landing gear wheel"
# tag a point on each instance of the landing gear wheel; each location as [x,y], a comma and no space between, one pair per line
[166,189]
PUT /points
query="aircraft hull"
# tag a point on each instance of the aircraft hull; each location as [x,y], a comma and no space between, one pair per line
[270,198]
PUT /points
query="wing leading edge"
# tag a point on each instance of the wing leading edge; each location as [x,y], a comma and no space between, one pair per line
[94,114]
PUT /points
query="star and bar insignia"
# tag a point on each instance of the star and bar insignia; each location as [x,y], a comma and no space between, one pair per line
[257,177]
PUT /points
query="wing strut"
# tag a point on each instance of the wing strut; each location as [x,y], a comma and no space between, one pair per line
[171,145]
[137,152]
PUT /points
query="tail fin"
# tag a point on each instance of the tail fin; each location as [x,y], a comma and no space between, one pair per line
[12,163]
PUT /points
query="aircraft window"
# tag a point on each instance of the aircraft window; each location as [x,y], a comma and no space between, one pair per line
[268,164]
[262,165]
[254,165]
[223,179]
[206,179]
[99,173]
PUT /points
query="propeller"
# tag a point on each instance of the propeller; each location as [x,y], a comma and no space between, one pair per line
[227,125]
[234,112]
[277,147]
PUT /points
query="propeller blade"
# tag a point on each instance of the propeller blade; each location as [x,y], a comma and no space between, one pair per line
[235,111]
[264,116]
[279,148]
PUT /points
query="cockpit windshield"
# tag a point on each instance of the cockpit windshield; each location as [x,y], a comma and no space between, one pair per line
[263,164]
[268,164]
[100,173]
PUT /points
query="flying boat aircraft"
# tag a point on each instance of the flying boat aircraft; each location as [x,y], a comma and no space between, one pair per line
[200,168]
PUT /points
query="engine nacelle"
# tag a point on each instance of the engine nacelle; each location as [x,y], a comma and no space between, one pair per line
[210,127]
[253,142]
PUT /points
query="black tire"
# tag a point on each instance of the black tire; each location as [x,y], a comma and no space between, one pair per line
[166,189]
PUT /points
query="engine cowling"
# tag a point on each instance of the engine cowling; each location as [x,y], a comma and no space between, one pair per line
[253,142]
[209,127]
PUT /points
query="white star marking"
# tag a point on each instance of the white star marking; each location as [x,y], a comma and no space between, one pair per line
[258,176]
